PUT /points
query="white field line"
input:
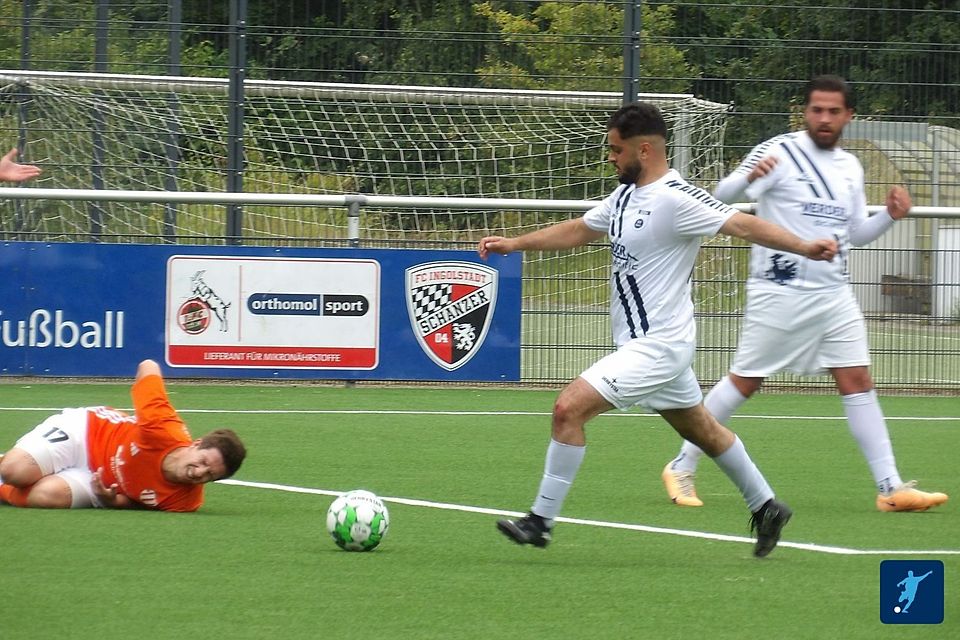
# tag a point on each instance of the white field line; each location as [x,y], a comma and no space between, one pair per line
[917,335]
[609,525]
[611,414]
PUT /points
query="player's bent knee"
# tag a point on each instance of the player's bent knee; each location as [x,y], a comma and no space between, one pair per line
[18,468]
[563,411]
[51,493]
[568,419]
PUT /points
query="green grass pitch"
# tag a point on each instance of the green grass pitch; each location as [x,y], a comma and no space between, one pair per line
[258,563]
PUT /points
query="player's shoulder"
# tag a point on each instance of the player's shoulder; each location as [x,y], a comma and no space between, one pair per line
[599,214]
[770,147]
[676,184]
[614,198]
[782,142]
[675,187]
[621,192]
[780,139]
[845,156]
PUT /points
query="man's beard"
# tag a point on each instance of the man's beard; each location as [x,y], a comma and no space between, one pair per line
[824,145]
[630,174]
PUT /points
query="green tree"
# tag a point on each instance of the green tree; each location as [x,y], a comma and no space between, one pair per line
[361,41]
[62,38]
[902,57]
[548,48]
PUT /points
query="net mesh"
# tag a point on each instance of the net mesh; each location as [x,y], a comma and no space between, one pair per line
[162,133]
[156,133]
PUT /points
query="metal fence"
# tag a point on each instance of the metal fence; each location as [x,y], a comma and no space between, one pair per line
[751,59]
[914,323]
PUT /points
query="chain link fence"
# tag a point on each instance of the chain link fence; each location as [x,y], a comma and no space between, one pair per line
[746,61]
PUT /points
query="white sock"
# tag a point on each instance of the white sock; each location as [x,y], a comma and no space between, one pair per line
[740,468]
[563,462]
[869,429]
[722,401]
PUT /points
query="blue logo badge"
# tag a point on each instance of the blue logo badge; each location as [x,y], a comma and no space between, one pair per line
[911,591]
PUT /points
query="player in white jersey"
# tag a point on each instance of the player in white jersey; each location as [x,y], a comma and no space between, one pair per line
[801,315]
[655,222]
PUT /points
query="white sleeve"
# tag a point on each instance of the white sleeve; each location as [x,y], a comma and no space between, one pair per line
[869,229]
[731,188]
[598,218]
[700,216]
[861,227]
[764,183]
[735,185]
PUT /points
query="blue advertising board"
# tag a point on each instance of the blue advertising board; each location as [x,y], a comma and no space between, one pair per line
[84,309]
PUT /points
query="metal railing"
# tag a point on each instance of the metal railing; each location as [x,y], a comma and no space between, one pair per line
[913,315]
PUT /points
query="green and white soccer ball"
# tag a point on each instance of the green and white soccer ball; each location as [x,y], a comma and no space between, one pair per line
[358,520]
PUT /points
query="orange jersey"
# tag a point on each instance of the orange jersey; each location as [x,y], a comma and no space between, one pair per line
[131,449]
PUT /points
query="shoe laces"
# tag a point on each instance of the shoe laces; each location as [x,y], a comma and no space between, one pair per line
[905,486]
[755,520]
[684,482]
[757,517]
[532,524]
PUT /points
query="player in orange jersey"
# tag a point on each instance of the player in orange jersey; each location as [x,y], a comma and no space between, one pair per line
[101,457]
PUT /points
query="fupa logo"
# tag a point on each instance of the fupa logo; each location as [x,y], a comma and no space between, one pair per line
[911,591]
[451,305]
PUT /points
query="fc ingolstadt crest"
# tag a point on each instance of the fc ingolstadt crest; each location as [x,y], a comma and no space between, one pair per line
[451,305]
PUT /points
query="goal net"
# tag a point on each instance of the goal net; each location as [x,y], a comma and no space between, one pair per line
[128,132]
[171,133]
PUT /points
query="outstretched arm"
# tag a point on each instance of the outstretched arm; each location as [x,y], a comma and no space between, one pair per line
[771,235]
[565,235]
[11,171]
[864,229]
[148,368]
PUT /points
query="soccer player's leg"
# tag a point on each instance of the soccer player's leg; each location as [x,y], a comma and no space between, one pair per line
[20,468]
[845,352]
[766,346]
[26,485]
[722,401]
[577,403]
[50,492]
[768,515]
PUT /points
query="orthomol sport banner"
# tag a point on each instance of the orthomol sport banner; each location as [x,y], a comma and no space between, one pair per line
[301,313]
[77,309]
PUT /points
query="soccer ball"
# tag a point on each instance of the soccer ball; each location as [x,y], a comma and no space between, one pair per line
[358,520]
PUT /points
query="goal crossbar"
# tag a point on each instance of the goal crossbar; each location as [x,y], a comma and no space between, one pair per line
[348,91]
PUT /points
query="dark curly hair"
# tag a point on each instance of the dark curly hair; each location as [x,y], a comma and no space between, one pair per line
[638,119]
[229,445]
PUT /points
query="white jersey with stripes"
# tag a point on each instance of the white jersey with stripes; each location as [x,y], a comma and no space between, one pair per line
[655,233]
[813,192]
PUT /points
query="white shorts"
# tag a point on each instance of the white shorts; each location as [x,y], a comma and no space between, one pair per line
[59,445]
[806,333]
[647,372]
